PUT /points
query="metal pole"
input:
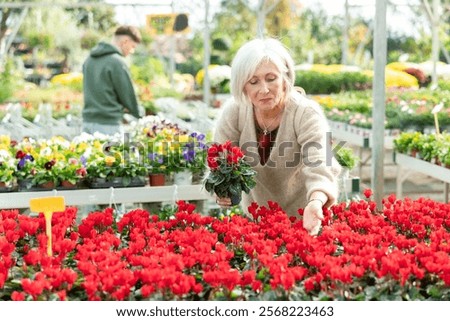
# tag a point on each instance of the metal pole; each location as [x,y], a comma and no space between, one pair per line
[435,39]
[206,58]
[345,35]
[378,112]
[173,45]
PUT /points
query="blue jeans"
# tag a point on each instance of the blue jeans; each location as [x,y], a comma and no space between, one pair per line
[91,128]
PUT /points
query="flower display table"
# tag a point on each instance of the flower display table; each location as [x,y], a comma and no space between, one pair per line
[359,137]
[146,194]
[408,165]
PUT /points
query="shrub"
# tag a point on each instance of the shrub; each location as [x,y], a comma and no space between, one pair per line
[315,82]
[7,81]
[444,84]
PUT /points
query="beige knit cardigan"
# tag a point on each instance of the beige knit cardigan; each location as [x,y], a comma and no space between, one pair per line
[300,162]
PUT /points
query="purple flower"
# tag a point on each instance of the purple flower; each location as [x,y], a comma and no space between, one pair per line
[83,160]
[156,157]
[23,160]
[189,155]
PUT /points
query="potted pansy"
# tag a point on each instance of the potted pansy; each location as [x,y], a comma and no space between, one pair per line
[101,169]
[45,173]
[159,153]
[230,174]
[132,173]
[111,169]
[71,172]
[188,157]
[197,153]
[157,168]
[25,169]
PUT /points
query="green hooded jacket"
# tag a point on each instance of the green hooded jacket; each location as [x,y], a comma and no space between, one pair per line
[107,87]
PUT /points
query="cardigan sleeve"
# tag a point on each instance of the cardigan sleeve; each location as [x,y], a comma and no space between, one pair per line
[320,167]
[227,127]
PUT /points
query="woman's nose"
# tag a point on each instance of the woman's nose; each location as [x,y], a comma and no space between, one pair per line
[264,88]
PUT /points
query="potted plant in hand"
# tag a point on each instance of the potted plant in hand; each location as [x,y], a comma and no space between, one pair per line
[229,174]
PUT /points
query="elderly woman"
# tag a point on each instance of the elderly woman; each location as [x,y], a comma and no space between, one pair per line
[283,134]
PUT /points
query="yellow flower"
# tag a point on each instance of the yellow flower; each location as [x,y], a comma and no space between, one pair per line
[5,140]
[67,79]
[81,147]
[97,145]
[183,138]
[201,74]
[109,160]
[395,78]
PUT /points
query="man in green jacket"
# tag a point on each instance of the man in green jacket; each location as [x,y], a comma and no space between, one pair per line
[107,86]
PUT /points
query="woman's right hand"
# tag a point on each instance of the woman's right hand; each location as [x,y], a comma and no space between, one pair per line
[313,217]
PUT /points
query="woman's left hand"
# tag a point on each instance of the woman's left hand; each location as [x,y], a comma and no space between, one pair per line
[313,216]
[224,202]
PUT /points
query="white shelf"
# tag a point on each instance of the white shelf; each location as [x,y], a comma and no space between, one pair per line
[360,137]
[408,165]
[427,168]
[146,194]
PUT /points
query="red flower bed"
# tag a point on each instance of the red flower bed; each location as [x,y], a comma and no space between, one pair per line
[400,254]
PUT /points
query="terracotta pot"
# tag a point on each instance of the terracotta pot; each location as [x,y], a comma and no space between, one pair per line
[157,179]
[437,161]
[49,184]
[68,184]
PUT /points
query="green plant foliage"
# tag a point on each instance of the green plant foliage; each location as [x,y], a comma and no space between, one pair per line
[229,174]
[89,39]
[444,84]
[146,69]
[346,157]
[39,39]
[320,83]
[6,82]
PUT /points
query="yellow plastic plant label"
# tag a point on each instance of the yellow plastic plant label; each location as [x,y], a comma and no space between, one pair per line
[48,205]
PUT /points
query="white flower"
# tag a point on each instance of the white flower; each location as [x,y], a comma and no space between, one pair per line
[4,155]
[217,74]
[437,108]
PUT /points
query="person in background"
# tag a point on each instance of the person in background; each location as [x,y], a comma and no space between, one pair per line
[282,133]
[107,86]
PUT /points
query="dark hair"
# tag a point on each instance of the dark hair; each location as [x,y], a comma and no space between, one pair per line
[130,31]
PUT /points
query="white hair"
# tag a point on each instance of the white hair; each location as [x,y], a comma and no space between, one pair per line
[250,56]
